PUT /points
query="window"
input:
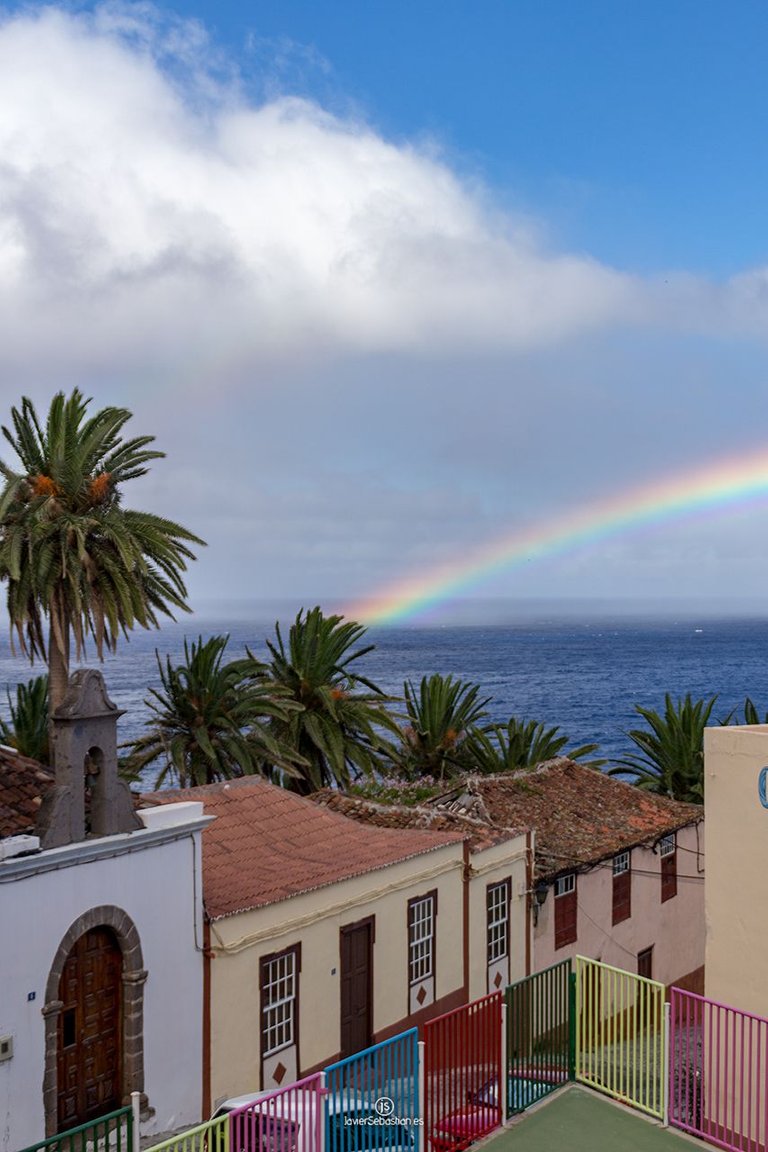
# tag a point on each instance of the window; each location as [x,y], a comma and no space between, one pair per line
[279,1000]
[421,937]
[497,904]
[645,963]
[622,887]
[565,910]
[668,853]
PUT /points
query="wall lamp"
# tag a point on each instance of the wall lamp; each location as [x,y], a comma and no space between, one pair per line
[539,898]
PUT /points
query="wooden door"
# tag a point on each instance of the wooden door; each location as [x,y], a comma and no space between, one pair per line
[89,1034]
[356,987]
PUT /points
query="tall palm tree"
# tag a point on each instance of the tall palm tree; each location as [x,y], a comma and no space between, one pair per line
[522,744]
[672,749]
[442,717]
[339,730]
[72,556]
[28,729]
[209,721]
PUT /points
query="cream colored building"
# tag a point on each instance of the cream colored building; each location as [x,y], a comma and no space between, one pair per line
[618,872]
[499,861]
[325,935]
[736,802]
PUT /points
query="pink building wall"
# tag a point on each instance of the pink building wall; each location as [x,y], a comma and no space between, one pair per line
[675,928]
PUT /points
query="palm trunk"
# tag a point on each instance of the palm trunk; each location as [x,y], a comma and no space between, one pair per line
[58,657]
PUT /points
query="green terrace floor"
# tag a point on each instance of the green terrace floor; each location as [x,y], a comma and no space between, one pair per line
[579,1120]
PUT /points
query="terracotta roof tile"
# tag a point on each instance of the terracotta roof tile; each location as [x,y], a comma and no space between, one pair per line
[23,783]
[580,815]
[267,844]
[480,834]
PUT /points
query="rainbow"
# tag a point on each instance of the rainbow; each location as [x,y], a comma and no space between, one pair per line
[729,482]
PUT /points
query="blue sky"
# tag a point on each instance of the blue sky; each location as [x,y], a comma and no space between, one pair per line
[635,127]
[390,280]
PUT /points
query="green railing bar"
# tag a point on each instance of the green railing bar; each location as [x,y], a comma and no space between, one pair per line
[83,1131]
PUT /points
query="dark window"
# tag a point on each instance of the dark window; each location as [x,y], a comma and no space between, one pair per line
[497,905]
[668,853]
[645,963]
[565,910]
[622,887]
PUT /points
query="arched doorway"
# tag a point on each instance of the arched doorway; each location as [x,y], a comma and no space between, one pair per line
[89,1040]
[96,933]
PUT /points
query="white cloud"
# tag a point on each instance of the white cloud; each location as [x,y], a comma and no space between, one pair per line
[148,210]
[358,364]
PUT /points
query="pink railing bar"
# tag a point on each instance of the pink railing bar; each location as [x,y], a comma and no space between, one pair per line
[289,1119]
[718,1073]
[462,1075]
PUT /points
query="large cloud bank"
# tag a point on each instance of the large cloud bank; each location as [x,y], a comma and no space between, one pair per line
[144,201]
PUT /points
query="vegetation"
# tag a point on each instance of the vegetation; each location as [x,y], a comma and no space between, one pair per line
[522,744]
[337,731]
[210,721]
[28,730]
[442,717]
[671,760]
[73,558]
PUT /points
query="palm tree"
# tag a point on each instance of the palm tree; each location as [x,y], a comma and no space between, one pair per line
[443,716]
[71,554]
[522,744]
[28,730]
[209,721]
[338,732]
[672,751]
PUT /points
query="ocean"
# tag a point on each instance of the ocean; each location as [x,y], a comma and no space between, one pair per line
[584,673]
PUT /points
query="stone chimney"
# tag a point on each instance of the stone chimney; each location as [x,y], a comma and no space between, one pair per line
[88,798]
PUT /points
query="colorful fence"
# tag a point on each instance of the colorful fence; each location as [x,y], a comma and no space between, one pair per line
[463,1075]
[113,1131]
[212,1136]
[290,1119]
[538,1038]
[620,1043]
[373,1098]
[718,1073]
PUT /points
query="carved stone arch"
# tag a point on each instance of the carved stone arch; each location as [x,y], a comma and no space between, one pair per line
[133,977]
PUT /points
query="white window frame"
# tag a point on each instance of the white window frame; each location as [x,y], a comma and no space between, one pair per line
[668,845]
[421,939]
[621,863]
[564,885]
[279,992]
[498,921]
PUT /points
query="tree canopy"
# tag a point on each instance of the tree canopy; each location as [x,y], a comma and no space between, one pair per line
[72,556]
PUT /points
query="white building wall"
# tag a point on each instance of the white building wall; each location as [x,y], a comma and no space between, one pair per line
[158,885]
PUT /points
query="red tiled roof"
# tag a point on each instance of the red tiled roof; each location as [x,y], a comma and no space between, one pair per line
[23,783]
[267,844]
[579,815]
[480,834]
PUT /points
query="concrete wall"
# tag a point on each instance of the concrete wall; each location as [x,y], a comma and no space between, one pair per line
[314,920]
[674,928]
[505,861]
[737,866]
[157,884]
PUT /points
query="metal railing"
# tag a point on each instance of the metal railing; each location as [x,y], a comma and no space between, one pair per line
[463,1082]
[112,1132]
[621,1048]
[718,1072]
[538,1041]
[372,1098]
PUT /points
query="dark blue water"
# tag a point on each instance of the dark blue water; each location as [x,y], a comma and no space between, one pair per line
[585,676]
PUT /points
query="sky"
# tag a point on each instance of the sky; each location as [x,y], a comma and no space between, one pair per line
[391,281]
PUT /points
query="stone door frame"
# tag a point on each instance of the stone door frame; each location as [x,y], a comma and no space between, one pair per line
[133,979]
